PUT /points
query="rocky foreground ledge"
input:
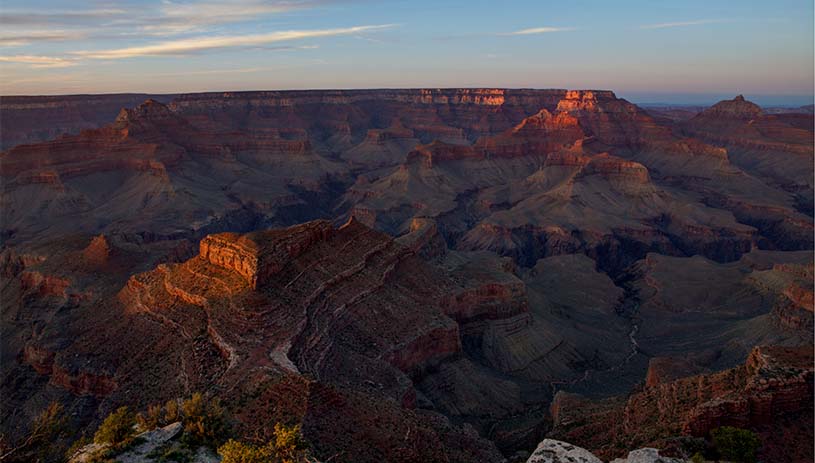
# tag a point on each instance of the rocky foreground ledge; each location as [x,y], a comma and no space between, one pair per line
[150,442]
[555,451]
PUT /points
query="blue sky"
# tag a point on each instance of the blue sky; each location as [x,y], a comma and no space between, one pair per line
[672,51]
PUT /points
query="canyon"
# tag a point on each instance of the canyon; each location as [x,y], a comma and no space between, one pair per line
[413,274]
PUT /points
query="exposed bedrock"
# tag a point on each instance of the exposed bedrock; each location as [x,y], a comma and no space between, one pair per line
[773,382]
[257,256]
[549,242]
[78,381]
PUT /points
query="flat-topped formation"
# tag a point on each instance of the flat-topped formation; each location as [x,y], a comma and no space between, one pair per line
[258,255]
[478,96]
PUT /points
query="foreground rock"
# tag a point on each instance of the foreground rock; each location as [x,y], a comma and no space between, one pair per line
[555,451]
[149,446]
[646,455]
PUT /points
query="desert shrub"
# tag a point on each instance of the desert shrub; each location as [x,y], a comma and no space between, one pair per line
[117,428]
[686,446]
[41,442]
[150,419]
[238,452]
[287,446]
[205,421]
[736,444]
[50,422]
[171,412]
[76,445]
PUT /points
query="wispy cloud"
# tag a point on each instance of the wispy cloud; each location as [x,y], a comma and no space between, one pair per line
[169,18]
[35,61]
[82,17]
[180,17]
[16,40]
[229,11]
[697,22]
[519,32]
[199,44]
[537,30]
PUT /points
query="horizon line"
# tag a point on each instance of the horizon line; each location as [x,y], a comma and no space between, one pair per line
[652,100]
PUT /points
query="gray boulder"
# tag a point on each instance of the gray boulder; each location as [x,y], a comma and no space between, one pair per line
[555,451]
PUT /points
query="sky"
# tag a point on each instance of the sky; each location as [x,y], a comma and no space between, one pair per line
[690,51]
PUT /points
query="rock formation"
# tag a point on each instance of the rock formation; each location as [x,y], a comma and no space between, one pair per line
[258,256]
[257,311]
[508,258]
[553,451]
[34,119]
[756,142]
[646,455]
[773,382]
[98,251]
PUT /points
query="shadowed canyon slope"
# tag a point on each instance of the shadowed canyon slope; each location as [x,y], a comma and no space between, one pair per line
[32,119]
[411,275]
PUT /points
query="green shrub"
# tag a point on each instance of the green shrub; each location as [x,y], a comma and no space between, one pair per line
[117,428]
[171,412]
[238,452]
[77,444]
[205,422]
[287,446]
[151,419]
[736,444]
[42,441]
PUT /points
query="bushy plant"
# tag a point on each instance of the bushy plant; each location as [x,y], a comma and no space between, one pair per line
[287,446]
[238,452]
[150,419]
[41,440]
[205,421]
[117,428]
[76,445]
[171,412]
[736,444]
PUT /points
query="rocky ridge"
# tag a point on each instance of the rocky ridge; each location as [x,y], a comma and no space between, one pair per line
[774,381]
[548,240]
